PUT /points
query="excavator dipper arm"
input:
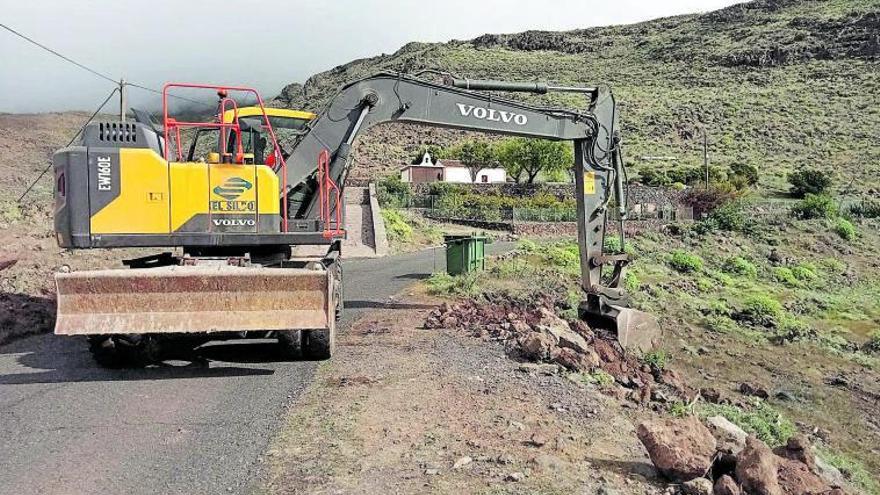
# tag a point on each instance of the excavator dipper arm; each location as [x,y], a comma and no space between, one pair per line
[458,104]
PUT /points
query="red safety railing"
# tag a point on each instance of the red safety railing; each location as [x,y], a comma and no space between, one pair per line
[330,198]
[173,126]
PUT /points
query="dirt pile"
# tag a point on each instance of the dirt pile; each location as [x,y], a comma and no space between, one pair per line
[718,459]
[531,331]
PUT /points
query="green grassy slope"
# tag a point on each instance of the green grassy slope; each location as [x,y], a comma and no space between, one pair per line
[777,83]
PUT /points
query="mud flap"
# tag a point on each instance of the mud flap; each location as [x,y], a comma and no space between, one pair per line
[186,299]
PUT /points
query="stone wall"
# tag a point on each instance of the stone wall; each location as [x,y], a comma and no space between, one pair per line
[660,197]
[569,229]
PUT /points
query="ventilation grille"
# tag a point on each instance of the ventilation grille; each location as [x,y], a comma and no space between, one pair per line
[117,132]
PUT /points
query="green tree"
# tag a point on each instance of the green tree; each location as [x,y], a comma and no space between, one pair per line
[477,155]
[526,158]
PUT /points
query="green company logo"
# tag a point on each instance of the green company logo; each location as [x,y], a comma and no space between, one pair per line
[232,188]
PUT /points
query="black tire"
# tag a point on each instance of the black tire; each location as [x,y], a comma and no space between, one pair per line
[319,344]
[290,342]
[124,351]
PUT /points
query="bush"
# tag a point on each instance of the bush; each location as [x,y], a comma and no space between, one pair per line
[762,310]
[815,206]
[526,246]
[631,282]
[784,274]
[705,201]
[805,272]
[873,344]
[743,174]
[846,229]
[685,262]
[657,359]
[612,245]
[760,420]
[740,266]
[397,228]
[392,192]
[809,181]
[866,208]
[10,212]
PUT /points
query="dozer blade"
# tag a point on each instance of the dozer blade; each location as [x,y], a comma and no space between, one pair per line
[637,330]
[183,299]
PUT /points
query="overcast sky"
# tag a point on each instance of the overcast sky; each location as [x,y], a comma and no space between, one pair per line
[265,44]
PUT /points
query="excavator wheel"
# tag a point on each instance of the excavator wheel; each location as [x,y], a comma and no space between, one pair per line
[319,344]
[124,351]
[290,342]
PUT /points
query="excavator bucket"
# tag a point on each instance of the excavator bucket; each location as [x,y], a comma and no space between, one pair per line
[637,330]
[183,299]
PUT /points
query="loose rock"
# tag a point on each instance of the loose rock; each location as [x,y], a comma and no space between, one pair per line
[756,468]
[798,448]
[730,437]
[725,485]
[681,449]
[462,462]
[698,486]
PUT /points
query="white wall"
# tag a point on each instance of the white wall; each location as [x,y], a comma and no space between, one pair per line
[463,175]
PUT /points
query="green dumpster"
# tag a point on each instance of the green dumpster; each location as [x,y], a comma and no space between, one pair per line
[465,253]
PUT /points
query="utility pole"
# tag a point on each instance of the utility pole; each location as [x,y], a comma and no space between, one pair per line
[706,155]
[122,100]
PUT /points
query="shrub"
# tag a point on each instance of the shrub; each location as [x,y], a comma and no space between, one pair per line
[809,181]
[631,282]
[10,212]
[846,229]
[866,208]
[873,344]
[563,256]
[685,262]
[707,200]
[658,359]
[762,310]
[738,265]
[392,192]
[784,274]
[760,420]
[743,173]
[396,226]
[612,245]
[526,246]
[805,272]
[815,206]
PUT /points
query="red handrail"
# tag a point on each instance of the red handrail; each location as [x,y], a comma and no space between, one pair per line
[326,187]
[172,129]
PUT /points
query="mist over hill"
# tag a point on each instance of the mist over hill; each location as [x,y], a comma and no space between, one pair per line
[776,83]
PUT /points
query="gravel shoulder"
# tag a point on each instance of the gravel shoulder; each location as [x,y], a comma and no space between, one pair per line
[403,409]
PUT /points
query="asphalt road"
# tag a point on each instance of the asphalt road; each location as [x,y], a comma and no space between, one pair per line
[69,427]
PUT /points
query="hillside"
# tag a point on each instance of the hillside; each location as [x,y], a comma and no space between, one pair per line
[777,83]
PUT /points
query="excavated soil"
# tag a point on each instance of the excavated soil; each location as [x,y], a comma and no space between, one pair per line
[406,409]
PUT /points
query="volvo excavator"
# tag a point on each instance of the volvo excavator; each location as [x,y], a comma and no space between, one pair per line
[234,214]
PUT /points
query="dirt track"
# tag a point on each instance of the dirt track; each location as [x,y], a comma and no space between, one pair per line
[67,426]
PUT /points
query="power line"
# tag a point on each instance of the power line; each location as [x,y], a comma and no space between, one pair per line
[53,52]
[93,71]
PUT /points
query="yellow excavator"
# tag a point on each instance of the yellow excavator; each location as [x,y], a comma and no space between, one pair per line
[233,196]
